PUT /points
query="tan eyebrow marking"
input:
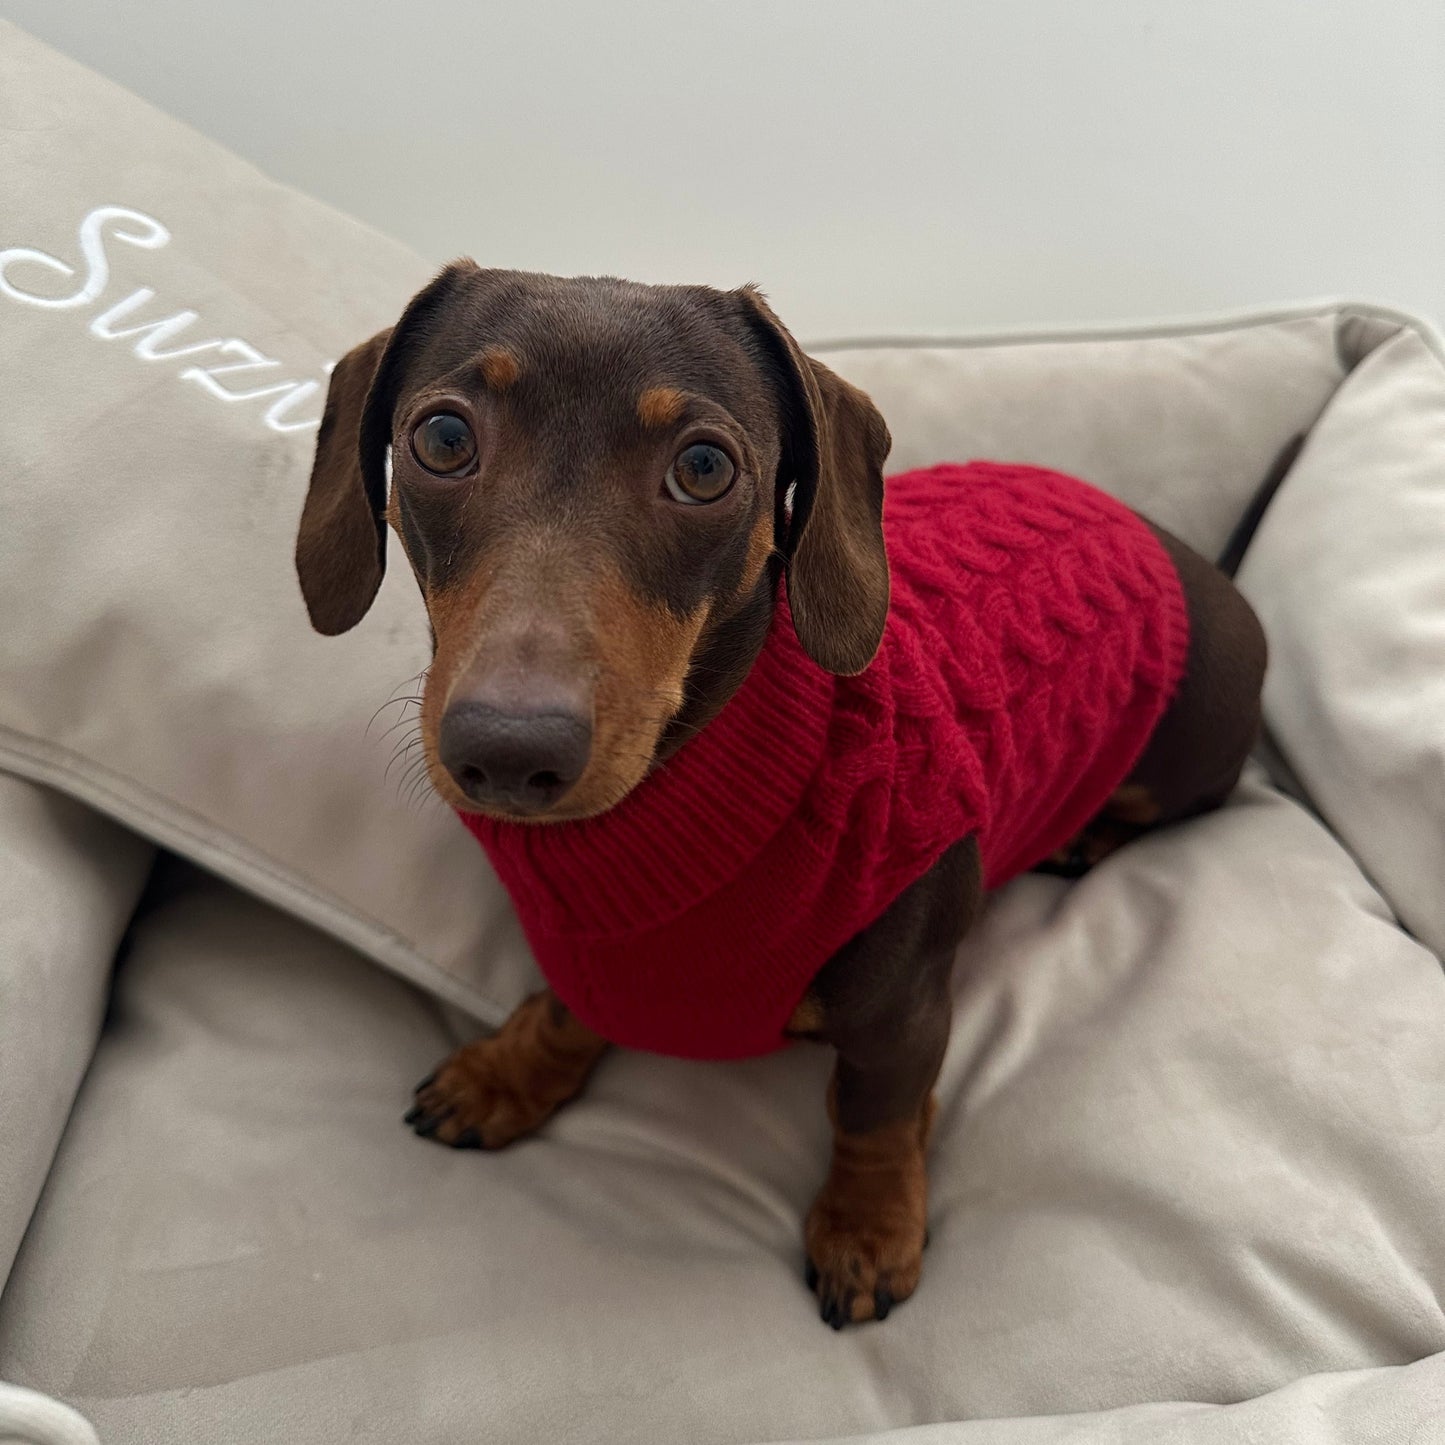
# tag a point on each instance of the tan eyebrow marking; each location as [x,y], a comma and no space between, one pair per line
[660,405]
[499,367]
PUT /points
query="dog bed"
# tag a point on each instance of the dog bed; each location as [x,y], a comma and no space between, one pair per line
[1188,1170]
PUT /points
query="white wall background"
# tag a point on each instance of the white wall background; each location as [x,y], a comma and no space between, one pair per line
[877,165]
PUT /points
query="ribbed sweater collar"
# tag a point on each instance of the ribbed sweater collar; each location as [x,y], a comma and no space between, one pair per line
[691,825]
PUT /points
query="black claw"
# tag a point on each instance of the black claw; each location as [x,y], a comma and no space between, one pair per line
[467,1139]
[426,1083]
[412,1114]
[882,1303]
[810,1274]
[427,1127]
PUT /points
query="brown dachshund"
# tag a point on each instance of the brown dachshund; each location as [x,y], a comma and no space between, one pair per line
[572,596]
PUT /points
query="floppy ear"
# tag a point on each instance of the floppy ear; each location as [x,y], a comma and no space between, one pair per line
[834,445]
[341,547]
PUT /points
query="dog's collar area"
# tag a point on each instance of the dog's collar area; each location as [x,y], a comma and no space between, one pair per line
[700,815]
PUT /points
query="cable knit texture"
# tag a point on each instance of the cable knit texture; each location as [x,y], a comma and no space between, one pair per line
[1036,634]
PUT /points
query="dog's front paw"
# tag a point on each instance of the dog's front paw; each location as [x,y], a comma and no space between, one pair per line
[470,1103]
[498,1089]
[865,1248]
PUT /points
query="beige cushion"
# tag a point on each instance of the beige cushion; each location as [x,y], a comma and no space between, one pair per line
[69,881]
[1189,1149]
[1182,423]
[1348,574]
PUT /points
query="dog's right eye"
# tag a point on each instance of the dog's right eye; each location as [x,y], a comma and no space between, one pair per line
[701,473]
[444,444]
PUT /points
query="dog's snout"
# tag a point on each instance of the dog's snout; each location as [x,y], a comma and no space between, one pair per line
[520,760]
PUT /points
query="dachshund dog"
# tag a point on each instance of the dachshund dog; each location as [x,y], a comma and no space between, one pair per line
[678,692]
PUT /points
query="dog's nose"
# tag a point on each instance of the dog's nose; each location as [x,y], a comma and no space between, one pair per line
[522,761]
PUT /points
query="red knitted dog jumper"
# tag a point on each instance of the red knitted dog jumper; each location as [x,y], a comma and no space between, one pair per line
[1036,633]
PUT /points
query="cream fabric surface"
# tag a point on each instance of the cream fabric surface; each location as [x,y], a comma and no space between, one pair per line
[1188,1149]
[29,1418]
[1181,425]
[1348,575]
[69,881]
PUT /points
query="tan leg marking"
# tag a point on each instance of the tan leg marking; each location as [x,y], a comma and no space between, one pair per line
[866,1230]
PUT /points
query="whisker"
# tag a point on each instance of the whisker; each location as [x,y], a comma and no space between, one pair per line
[406,744]
[401,755]
[413,721]
[419,789]
[413,794]
[412,767]
[397,702]
[393,700]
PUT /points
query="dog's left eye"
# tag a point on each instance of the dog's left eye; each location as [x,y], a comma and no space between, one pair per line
[444,444]
[700,473]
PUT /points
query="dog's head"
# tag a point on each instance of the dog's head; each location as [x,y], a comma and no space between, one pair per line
[596,483]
